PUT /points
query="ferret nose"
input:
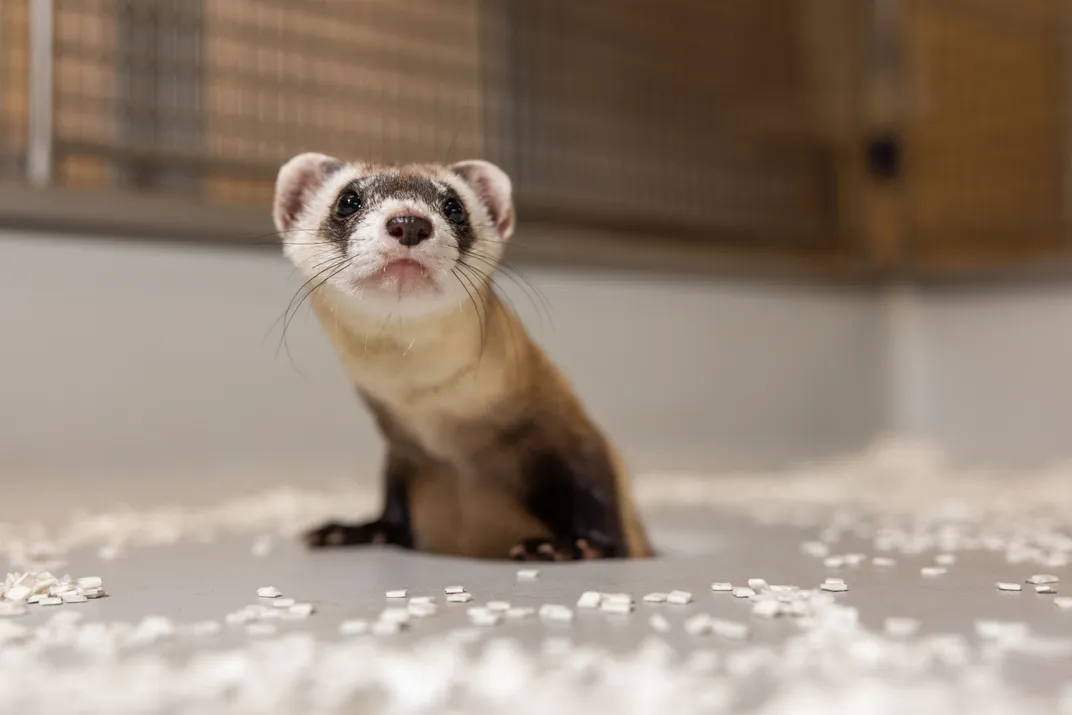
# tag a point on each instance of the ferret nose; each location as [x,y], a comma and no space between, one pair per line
[409,230]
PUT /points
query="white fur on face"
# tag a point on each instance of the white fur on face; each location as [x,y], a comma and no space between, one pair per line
[353,269]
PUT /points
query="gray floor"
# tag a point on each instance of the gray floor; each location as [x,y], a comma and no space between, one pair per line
[128,386]
[190,582]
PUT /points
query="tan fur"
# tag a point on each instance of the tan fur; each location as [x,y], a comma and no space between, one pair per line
[462,395]
[450,391]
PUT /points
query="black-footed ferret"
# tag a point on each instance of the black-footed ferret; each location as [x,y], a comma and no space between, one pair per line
[489,453]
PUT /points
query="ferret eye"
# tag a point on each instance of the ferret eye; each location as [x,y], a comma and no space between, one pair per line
[349,204]
[453,210]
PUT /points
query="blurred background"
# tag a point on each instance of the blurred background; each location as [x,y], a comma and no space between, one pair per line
[754,233]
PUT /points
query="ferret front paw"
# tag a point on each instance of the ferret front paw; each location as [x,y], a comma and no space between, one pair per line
[556,550]
[335,534]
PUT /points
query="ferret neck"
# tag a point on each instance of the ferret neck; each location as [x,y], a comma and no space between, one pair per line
[406,332]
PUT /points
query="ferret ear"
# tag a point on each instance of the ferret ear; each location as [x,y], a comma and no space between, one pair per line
[297,182]
[495,190]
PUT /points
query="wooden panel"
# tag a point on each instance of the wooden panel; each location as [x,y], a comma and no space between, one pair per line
[691,118]
[14,66]
[985,140]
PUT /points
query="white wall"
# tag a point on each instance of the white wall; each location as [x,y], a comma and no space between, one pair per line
[986,372]
[157,365]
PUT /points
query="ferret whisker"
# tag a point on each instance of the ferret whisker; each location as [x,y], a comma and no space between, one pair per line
[535,296]
[304,292]
[289,276]
[499,303]
[286,325]
[490,279]
[481,318]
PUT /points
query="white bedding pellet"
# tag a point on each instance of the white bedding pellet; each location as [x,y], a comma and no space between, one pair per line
[834,579]
[51,601]
[459,597]
[527,574]
[1063,602]
[815,548]
[90,582]
[556,612]
[758,585]
[1045,588]
[239,617]
[618,607]
[44,584]
[283,602]
[901,627]
[301,610]
[1006,586]
[74,598]
[679,598]
[698,625]
[589,599]
[454,590]
[854,559]
[659,623]
[616,598]
[397,615]
[18,593]
[729,629]
[268,592]
[521,612]
[722,587]
[932,570]
[354,627]
[498,606]
[743,592]
[386,628]
[422,609]
[36,598]
[834,587]
[655,598]
[399,593]
[945,559]
[1001,630]
[883,562]
[795,608]
[262,629]
[10,609]
[422,599]
[485,618]
[1042,579]
[767,609]
[834,562]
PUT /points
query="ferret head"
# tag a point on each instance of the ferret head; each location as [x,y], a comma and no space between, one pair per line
[402,240]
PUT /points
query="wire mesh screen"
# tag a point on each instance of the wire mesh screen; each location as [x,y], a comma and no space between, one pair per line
[211,96]
[769,125]
[989,130]
[14,84]
[671,117]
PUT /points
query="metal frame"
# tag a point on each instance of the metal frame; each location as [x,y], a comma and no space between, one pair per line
[39,151]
